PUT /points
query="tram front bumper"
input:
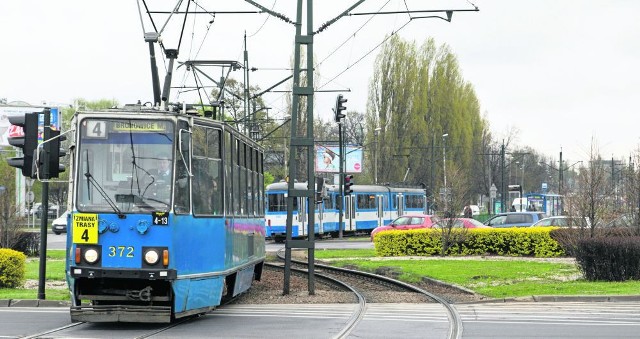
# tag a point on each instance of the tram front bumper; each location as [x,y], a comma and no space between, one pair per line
[121,313]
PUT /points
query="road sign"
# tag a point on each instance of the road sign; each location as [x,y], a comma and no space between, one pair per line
[31,197]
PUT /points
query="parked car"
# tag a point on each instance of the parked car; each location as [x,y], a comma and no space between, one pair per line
[562,221]
[462,222]
[34,208]
[52,213]
[514,219]
[407,222]
[59,225]
[624,220]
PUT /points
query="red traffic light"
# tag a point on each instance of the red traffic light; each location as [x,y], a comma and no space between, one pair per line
[348,182]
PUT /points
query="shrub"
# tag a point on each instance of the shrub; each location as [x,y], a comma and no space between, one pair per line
[609,258]
[508,241]
[28,243]
[12,268]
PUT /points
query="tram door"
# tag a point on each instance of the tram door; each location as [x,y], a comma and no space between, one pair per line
[350,213]
[302,216]
[399,204]
[380,204]
[320,217]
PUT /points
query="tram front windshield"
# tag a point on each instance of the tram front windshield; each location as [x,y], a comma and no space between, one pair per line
[125,165]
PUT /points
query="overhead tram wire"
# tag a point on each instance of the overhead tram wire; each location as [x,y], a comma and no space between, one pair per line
[366,54]
[265,20]
[351,36]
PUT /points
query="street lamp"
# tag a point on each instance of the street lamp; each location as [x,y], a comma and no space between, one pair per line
[444,167]
[375,155]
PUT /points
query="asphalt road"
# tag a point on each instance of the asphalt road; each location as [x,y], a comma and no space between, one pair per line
[486,320]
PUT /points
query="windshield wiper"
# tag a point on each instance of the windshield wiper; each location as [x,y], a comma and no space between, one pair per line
[104,194]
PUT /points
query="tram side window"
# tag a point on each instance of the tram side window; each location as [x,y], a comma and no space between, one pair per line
[236,178]
[243,178]
[366,201]
[414,201]
[228,201]
[207,169]
[250,171]
[260,200]
[182,197]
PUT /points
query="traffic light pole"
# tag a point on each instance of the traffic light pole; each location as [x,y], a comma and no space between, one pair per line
[341,182]
[45,207]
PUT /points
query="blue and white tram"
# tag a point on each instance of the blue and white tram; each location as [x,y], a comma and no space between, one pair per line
[147,247]
[370,206]
[366,208]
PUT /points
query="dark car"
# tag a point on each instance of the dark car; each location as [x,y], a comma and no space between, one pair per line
[407,222]
[514,219]
[53,212]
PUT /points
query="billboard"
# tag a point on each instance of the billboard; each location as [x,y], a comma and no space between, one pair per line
[328,159]
[7,111]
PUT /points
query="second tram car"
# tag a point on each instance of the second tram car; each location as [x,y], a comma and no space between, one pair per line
[366,208]
[167,218]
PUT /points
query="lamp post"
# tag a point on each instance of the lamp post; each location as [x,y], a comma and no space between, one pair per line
[444,167]
[375,155]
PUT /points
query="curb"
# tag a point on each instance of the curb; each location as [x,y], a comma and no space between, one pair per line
[561,298]
[33,303]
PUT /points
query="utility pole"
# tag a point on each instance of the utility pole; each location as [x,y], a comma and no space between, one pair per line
[560,174]
[503,187]
[305,142]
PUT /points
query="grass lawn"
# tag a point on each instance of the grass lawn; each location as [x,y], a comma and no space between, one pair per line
[55,273]
[492,278]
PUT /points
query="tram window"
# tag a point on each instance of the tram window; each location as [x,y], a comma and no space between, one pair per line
[414,201]
[207,170]
[227,172]
[276,202]
[243,191]
[260,184]
[182,198]
[366,201]
[119,156]
[236,179]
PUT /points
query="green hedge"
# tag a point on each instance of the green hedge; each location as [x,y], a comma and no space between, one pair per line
[12,268]
[530,241]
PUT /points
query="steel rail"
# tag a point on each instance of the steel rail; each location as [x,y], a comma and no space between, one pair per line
[455,320]
[358,313]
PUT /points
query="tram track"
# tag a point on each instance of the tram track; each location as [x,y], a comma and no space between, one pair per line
[365,283]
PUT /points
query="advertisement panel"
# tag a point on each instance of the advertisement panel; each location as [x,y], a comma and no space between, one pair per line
[7,111]
[328,159]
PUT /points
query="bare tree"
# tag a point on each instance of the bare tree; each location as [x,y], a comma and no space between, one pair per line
[451,200]
[590,200]
[9,215]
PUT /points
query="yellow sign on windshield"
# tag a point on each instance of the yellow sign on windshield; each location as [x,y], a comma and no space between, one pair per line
[85,228]
[139,126]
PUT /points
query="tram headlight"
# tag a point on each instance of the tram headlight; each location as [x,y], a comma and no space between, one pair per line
[151,257]
[91,256]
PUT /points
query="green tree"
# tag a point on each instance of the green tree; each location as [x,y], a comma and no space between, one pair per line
[416,95]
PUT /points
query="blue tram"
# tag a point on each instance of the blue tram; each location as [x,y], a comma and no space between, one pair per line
[167,218]
[366,208]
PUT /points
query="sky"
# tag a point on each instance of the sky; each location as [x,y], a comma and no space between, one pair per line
[560,74]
